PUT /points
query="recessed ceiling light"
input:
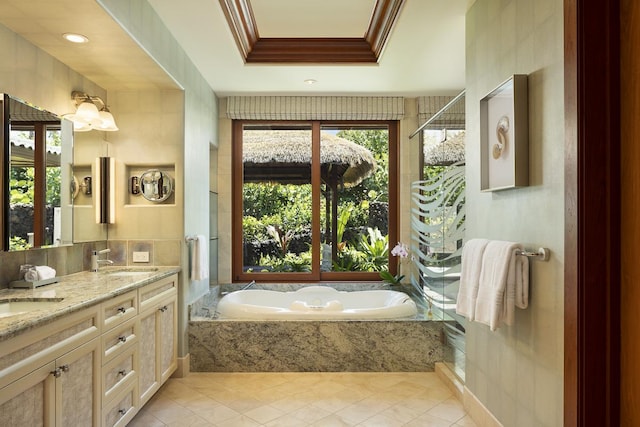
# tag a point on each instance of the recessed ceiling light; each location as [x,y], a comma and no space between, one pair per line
[310,81]
[75,38]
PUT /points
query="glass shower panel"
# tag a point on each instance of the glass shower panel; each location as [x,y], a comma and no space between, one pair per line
[438,225]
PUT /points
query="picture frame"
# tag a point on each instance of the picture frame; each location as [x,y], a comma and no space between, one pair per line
[504,136]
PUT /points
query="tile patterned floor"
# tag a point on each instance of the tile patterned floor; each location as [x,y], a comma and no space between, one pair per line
[304,399]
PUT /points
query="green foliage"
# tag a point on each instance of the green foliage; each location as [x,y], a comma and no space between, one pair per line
[18,244]
[21,186]
[289,263]
[389,278]
[375,249]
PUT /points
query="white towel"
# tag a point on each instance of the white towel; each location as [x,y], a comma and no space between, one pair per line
[45,272]
[504,274]
[31,273]
[472,253]
[199,259]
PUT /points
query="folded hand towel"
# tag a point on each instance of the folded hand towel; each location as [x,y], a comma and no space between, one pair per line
[45,272]
[199,259]
[502,268]
[472,254]
[33,273]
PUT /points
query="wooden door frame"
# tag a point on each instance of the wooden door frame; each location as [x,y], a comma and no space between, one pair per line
[592,213]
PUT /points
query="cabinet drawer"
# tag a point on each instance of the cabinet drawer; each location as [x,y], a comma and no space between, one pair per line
[119,339]
[151,294]
[122,409]
[119,373]
[119,309]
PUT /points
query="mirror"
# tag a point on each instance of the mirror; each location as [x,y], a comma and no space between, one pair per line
[36,170]
[154,185]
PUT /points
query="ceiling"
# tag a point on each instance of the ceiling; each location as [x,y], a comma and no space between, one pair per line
[423,53]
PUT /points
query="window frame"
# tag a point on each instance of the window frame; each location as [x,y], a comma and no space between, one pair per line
[238,275]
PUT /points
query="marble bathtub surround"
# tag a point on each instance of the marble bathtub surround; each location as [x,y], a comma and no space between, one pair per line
[314,346]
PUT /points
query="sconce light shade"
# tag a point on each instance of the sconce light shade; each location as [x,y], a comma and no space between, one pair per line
[108,123]
[87,116]
[87,112]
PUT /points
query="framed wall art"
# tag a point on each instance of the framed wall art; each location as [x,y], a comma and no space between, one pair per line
[504,136]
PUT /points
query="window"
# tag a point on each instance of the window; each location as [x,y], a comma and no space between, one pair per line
[313,200]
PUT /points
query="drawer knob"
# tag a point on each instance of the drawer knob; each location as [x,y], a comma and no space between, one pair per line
[122,412]
[122,310]
[64,368]
[122,338]
[122,372]
[56,372]
[163,308]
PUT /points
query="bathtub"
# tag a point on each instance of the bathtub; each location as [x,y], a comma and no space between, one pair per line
[315,303]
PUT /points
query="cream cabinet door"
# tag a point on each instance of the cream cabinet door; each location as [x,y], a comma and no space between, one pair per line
[158,348]
[29,401]
[78,390]
[148,380]
[168,336]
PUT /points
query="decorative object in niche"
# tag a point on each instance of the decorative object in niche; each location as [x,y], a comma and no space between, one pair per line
[504,136]
[85,187]
[87,116]
[154,185]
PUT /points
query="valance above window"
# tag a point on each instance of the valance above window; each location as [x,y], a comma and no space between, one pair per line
[315,108]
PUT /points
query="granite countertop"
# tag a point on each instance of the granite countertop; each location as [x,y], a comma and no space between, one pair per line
[74,292]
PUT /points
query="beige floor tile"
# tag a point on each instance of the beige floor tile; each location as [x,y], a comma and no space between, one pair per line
[427,420]
[466,421]
[382,420]
[332,420]
[145,419]
[239,421]
[310,399]
[264,414]
[450,410]
[287,420]
[310,414]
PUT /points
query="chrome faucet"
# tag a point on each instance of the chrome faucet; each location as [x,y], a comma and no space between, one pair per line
[95,261]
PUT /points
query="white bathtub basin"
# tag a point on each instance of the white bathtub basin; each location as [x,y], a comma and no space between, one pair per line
[316,302]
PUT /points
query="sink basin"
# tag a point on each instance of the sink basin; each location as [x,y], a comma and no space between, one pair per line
[132,272]
[13,307]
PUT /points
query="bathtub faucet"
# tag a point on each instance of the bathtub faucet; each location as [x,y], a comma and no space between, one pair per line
[248,285]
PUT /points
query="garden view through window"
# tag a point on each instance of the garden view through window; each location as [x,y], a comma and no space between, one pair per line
[318,200]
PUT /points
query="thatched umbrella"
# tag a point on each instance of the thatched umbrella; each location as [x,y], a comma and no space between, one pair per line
[284,156]
[445,153]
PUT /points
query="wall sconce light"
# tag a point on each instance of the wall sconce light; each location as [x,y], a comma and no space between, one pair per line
[88,117]
[104,186]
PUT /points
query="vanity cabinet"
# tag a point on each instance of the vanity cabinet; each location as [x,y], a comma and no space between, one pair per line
[95,367]
[158,335]
[51,376]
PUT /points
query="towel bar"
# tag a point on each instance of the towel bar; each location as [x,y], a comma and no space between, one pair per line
[542,254]
[190,239]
